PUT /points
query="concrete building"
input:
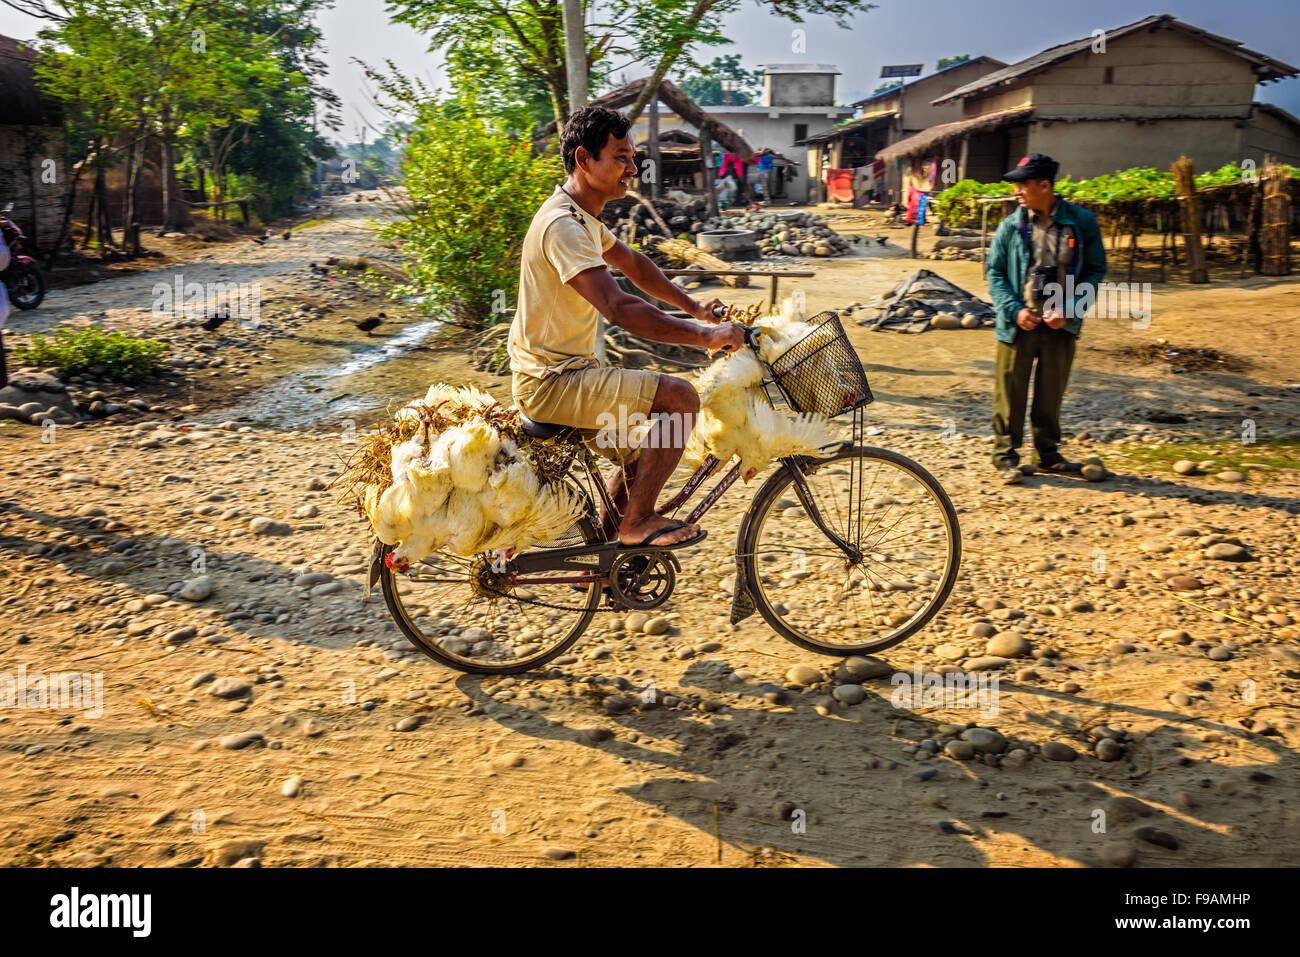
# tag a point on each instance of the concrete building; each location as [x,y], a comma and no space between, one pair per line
[798,100]
[1142,95]
[885,118]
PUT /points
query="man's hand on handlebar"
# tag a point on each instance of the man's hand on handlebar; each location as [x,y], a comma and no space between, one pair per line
[725,337]
[710,310]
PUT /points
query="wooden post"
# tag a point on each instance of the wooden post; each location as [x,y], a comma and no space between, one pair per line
[1252,230]
[1190,205]
[710,178]
[654,146]
[1135,227]
[984,240]
[1275,234]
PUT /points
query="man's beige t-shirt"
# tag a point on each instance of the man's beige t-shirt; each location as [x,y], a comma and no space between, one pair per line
[555,327]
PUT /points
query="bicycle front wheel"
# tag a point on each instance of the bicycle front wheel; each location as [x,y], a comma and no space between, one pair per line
[854,554]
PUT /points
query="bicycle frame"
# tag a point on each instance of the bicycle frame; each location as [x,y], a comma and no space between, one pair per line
[578,558]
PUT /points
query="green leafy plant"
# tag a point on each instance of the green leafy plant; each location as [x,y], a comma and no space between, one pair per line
[472,190]
[959,202]
[106,353]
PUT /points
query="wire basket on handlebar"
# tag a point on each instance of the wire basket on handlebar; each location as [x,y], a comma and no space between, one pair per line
[821,372]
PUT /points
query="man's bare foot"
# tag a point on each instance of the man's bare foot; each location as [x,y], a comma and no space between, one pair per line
[638,533]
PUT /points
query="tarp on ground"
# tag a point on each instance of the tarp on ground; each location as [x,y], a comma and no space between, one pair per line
[913,304]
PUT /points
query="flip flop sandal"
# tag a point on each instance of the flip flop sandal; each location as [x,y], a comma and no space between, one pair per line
[665,530]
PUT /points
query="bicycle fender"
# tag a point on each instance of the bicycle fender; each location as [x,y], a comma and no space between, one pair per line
[376,569]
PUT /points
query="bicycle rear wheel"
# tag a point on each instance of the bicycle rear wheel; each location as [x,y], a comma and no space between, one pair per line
[882,505]
[460,614]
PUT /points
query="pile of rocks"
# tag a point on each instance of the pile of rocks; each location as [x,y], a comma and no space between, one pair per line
[787,231]
[778,232]
[36,396]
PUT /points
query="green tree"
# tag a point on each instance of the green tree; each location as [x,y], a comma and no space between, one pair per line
[705,85]
[952,60]
[472,188]
[525,38]
[195,76]
[887,86]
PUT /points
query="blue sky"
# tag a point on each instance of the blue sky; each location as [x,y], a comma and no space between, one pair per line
[898,31]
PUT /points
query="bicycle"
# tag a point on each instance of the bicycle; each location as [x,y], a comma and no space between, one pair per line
[499,615]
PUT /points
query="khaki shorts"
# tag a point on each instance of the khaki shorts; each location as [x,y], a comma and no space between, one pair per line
[609,405]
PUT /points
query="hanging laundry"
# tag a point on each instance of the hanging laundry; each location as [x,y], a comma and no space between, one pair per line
[731,158]
[839,185]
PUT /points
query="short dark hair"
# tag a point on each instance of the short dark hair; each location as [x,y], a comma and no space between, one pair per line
[591,127]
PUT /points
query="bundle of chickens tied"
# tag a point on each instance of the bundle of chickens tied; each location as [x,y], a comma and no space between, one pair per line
[461,476]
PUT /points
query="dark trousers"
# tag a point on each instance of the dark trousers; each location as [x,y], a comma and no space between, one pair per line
[1053,350]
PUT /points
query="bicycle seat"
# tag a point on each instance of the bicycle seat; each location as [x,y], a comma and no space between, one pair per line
[541,430]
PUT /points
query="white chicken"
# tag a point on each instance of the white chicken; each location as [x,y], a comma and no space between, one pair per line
[465,489]
[821,382]
[736,419]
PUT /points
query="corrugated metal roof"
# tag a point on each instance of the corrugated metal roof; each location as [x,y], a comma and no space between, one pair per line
[837,131]
[1265,67]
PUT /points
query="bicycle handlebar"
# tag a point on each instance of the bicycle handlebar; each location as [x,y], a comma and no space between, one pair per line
[751,332]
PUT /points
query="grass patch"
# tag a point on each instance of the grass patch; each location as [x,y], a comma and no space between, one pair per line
[309,224]
[1278,454]
[104,353]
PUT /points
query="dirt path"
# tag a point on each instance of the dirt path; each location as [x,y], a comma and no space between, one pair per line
[1198,688]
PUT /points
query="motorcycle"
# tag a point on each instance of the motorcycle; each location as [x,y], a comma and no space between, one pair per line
[23,277]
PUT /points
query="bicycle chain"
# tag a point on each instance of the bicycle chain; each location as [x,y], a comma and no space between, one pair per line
[546,604]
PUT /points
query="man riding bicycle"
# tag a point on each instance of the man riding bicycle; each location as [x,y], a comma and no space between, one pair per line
[563,285]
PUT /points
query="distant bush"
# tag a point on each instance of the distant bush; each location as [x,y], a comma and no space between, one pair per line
[472,190]
[104,353]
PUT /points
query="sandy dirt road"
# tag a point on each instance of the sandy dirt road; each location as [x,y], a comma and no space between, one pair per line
[299,761]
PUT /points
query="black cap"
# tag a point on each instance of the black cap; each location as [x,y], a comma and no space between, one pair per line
[1033,166]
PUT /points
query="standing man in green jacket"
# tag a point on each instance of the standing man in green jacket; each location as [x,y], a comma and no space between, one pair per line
[1043,269]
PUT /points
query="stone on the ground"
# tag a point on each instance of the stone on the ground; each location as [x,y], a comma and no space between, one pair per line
[1119,853]
[850,694]
[229,688]
[1059,751]
[268,526]
[861,668]
[1227,552]
[197,589]
[803,675]
[1009,644]
[985,740]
